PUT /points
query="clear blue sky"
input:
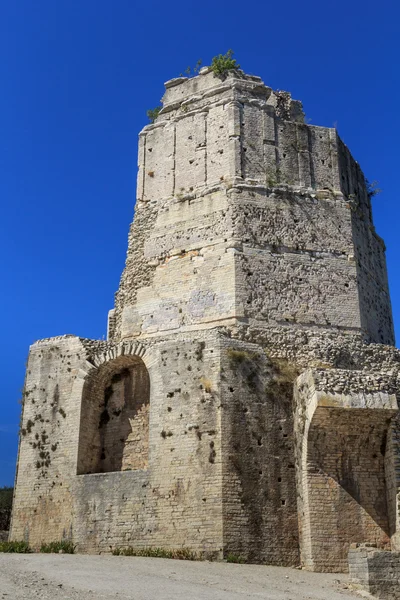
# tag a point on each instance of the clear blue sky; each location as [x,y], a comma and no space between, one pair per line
[77,77]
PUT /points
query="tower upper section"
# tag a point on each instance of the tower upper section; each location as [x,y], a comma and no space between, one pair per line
[246,214]
[211,130]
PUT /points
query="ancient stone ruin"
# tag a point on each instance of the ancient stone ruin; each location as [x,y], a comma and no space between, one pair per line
[245,400]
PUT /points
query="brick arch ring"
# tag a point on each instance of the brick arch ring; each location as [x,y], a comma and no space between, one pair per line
[116,351]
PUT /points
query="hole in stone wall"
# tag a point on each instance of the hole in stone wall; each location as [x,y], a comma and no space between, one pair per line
[114,426]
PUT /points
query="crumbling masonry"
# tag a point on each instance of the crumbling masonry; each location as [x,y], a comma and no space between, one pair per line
[245,400]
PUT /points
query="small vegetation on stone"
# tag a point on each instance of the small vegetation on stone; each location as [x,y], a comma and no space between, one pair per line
[240,356]
[21,547]
[178,553]
[282,377]
[153,113]
[192,70]
[63,546]
[373,188]
[273,177]
[246,364]
[234,558]
[207,384]
[222,63]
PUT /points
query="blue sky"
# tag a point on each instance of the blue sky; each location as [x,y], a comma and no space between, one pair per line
[77,77]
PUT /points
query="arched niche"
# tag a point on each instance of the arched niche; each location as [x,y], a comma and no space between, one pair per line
[114,426]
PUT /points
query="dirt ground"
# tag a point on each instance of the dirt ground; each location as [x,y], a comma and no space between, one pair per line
[83,577]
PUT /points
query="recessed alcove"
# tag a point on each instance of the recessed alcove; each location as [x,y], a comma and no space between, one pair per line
[114,425]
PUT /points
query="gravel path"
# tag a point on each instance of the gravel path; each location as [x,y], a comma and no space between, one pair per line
[83,577]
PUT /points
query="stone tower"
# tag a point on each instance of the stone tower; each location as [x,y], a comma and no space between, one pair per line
[245,400]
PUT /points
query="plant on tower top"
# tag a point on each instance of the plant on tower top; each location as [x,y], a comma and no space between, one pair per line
[222,63]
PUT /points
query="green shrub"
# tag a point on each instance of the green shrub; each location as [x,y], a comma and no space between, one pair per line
[153,113]
[21,547]
[234,558]
[64,546]
[179,553]
[222,63]
[373,188]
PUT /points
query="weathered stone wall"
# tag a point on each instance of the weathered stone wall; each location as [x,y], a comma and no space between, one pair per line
[221,461]
[259,487]
[341,430]
[43,496]
[375,571]
[175,496]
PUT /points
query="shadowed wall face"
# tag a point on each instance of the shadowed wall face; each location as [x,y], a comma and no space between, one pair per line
[346,483]
[115,421]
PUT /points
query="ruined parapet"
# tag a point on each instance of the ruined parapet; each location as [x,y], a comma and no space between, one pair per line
[375,571]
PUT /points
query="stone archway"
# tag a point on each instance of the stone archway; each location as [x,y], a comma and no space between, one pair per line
[114,425]
[341,483]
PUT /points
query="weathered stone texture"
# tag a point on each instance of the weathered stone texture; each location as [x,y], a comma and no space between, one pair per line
[259,487]
[375,571]
[245,401]
[146,503]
